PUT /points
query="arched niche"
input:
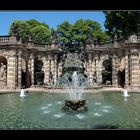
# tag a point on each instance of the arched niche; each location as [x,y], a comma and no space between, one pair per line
[38,71]
[3,71]
[25,73]
[107,72]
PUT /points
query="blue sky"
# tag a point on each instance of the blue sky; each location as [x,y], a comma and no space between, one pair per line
[52,18]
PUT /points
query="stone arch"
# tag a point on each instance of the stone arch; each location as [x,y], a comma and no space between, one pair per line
[3,71]
[107,71]
[38,71]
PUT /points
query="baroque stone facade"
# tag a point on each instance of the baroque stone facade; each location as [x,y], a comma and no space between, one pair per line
[114,64]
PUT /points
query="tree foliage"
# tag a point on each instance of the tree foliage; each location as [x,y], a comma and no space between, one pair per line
[41,34]
[64,33]
[76,35]
[68,35]
[121,23]
[33,23]
[21,29]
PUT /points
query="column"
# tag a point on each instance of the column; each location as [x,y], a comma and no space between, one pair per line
[59,69]
[32,70]
[16,70]
[52,70]
[114,71]
[19,70]
[28,76]
[99,71]
[11,71]
[94,70]
[86,66]
[126,69]
[134,69]
[47,70]
[93,65]
[90,68]
[55,69]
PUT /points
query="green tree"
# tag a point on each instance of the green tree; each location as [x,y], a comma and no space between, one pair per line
[41,34]
[64,33]
[33,23]
[121,23]
[85,29]
[74,36]
[21,29]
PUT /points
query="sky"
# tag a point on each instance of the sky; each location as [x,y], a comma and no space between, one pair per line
[52,18]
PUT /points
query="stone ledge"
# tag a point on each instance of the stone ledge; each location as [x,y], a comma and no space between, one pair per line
[43,90]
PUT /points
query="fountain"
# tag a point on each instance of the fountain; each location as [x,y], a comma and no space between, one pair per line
[22,93]
[73,82]
[74,78]
[75,91]
[125,93]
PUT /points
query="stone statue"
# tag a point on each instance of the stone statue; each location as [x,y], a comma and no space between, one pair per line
[133,38]
[54,36]
[2,72]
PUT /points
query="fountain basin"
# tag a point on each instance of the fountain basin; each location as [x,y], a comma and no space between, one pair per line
[106,110]
[75,105]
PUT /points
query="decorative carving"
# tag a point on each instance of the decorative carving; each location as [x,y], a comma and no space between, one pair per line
[122,65]
[3,72]
[104,57]
[133,38]
[7,53]
[135,52]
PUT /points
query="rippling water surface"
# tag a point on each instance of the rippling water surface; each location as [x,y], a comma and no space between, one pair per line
[43,111]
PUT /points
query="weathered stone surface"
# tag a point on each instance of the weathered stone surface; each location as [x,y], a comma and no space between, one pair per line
[128,58]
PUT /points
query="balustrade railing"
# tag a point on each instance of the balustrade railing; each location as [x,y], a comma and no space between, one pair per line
[7,40]
[4,39]
[12,40]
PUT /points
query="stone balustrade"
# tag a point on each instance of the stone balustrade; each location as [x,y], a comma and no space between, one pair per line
[10,40]
[4,39]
